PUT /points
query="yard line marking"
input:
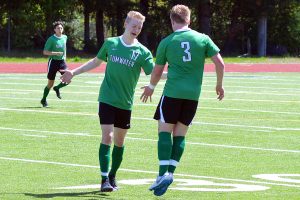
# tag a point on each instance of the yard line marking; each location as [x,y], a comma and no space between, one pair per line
[42,136]
[98,82]
[219,131]
[144,171]
[274,93]
[41,84]
[262,131]
[149,104]
[249,82]
[150,119]
[155,140]
[154,105]
[248,126]
[226,146]
[40,131]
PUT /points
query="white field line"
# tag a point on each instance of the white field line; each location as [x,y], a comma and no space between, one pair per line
[43,84]
[154,140]
[144,171]
[205,83]
[137,95]
[277,91]
[268,131]
[218,131]
[150,119]
[146,104]
[41,136]
[272,76]
[40,131]
[258,78]
[43,75]
[227,82]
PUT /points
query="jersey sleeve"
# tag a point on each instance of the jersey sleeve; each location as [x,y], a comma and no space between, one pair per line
[148,63]
[161,57]
[48,45]
[211,48]
[102,54]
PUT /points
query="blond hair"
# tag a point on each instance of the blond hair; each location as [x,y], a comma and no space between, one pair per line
[135,15]
[180,14]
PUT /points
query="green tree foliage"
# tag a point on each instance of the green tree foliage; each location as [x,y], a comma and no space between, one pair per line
[230,23]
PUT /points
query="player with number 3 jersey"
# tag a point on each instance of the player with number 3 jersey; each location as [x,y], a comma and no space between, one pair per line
[185,51]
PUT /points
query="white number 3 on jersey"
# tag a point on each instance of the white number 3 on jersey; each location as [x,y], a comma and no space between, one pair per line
[186,47]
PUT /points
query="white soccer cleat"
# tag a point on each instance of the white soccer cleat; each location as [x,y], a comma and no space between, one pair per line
[160,180]
[163,187]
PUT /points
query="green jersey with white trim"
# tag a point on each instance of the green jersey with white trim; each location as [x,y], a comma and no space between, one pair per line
[124,64]
[57,44]
[185,51]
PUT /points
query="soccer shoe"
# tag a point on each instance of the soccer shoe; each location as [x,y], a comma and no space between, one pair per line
[44,103]
[57,92]
[160,181]
[113,182]
[105,186]
[159,191]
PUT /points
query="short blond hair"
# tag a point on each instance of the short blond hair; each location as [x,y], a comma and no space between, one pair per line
[135,15]
[180,14]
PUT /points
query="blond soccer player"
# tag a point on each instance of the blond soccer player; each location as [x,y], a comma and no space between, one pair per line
[125,58]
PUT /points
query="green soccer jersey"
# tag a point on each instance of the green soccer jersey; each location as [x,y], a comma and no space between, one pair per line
[57,44]
[185,51]
[124,64]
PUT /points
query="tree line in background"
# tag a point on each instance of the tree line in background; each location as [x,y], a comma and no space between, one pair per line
[238,27]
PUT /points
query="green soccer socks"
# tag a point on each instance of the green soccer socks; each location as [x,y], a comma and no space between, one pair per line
[117,157]
[177,151]
[60,85]
[46,92]
[164,151]
[104,157]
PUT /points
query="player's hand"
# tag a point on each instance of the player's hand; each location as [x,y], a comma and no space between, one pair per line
[59,53]
[220,92]
[67,76]
[146,94]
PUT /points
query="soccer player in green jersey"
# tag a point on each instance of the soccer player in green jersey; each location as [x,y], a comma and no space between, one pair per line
[125,58]
[55,48]
[185,51]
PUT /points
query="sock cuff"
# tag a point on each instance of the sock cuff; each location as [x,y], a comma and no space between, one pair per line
[164,162]
[164,135]
[119,148]
[174,163]
[105,145]
[104,174]
[179,139]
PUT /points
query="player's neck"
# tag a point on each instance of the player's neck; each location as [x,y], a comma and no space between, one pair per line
[180,26]
[127,39]
[57,35]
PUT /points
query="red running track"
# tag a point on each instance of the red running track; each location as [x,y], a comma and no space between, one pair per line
[42,67]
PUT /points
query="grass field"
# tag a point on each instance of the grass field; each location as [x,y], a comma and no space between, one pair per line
[245,147]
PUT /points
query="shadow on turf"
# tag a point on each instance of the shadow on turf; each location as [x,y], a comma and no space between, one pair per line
[91,195]
[28,107]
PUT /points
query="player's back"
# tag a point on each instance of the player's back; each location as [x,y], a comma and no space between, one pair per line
[185,52]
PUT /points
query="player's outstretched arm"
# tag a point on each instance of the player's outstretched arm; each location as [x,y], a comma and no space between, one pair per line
[220,68]
[69,74]
[53,53]
[155,77]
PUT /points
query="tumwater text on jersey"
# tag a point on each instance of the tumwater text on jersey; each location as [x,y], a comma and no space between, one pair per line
[125,61]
